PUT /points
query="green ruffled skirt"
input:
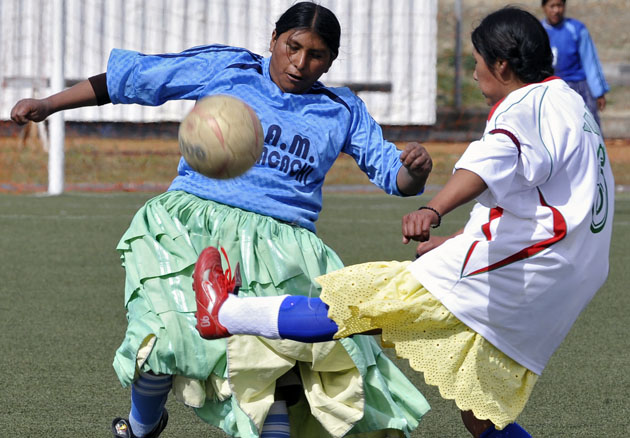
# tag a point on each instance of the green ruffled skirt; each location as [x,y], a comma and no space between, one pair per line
[350,386]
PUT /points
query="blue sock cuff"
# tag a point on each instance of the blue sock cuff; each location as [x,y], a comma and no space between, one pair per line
[150,384]
[148,397]
[512,430]
[305,319]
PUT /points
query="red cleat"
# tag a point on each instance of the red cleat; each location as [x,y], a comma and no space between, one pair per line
[212,286]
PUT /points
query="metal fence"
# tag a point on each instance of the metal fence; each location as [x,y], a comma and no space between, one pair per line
[388,49]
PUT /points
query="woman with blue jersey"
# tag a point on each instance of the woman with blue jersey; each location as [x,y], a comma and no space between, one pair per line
[265,221]
[574,56]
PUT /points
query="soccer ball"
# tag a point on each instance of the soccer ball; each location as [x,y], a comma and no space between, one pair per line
[221,137]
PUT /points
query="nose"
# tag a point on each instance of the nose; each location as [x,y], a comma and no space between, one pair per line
[299,60]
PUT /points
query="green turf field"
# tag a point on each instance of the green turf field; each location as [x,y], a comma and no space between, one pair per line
[61,318]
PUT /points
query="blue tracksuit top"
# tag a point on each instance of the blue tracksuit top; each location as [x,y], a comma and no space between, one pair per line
[574,55]
[304,133]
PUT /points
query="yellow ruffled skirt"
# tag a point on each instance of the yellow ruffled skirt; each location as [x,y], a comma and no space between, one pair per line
[461,363]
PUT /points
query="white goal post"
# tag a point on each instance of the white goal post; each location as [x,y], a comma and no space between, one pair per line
[56,154]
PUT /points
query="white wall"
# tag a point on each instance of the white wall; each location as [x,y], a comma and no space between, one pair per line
[382,42]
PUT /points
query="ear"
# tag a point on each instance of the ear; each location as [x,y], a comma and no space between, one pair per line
[501,66]
[502,69]
[272,43]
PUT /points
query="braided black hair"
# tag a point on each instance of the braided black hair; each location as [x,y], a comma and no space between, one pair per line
[516,36]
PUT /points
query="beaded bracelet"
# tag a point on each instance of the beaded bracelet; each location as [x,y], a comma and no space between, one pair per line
[434,211]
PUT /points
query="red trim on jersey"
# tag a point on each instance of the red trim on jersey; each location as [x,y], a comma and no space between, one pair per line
[494,107]
[495,213]
[559,232]
[509,134]
[468,254]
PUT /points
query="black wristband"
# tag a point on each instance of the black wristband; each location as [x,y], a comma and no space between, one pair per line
[434,211]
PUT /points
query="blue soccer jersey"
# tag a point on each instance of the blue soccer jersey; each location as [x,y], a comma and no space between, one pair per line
[304,133]
[574,55]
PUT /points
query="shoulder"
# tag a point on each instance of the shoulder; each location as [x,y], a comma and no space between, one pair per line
[340,95]
[520,106]
[552,102]
[575,22]
[223,51]
[576,26]
[563,99]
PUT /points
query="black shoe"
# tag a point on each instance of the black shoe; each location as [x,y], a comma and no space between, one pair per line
[122,429]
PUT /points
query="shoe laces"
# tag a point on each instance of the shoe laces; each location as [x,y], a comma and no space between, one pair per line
[232,280]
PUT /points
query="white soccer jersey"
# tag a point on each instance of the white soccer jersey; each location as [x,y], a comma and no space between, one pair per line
[535,249]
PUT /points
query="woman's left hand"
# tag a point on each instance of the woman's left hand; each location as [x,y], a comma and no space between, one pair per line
[416,160]
[417,165]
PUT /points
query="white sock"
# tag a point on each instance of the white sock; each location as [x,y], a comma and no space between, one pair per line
[251,315]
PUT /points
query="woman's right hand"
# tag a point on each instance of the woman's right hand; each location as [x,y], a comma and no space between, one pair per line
[417,225]
[33,110]
[433,242]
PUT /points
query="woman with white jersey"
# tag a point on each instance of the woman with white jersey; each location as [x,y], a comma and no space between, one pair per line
[480,312]
[265,221]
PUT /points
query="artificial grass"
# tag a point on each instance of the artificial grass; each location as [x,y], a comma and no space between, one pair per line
[62,317]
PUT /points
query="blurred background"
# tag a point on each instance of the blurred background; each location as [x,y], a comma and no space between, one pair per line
[409,60]
[606,20]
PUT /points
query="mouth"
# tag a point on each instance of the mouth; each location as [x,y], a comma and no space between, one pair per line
[294,77]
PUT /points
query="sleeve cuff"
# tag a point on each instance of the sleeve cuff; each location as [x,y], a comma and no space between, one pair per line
[99,84]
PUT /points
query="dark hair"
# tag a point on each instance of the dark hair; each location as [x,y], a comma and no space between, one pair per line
[308,15]
[544,2]
[516,36]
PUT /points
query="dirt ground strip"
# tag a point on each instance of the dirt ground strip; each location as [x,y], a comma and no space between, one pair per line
[118,164]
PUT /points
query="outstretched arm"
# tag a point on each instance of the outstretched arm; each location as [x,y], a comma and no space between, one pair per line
[82,94]
[462,187]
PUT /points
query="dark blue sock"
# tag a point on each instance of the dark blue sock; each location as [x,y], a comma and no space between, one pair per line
[148,397]
[512,430]
[277,422]
[305,319]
